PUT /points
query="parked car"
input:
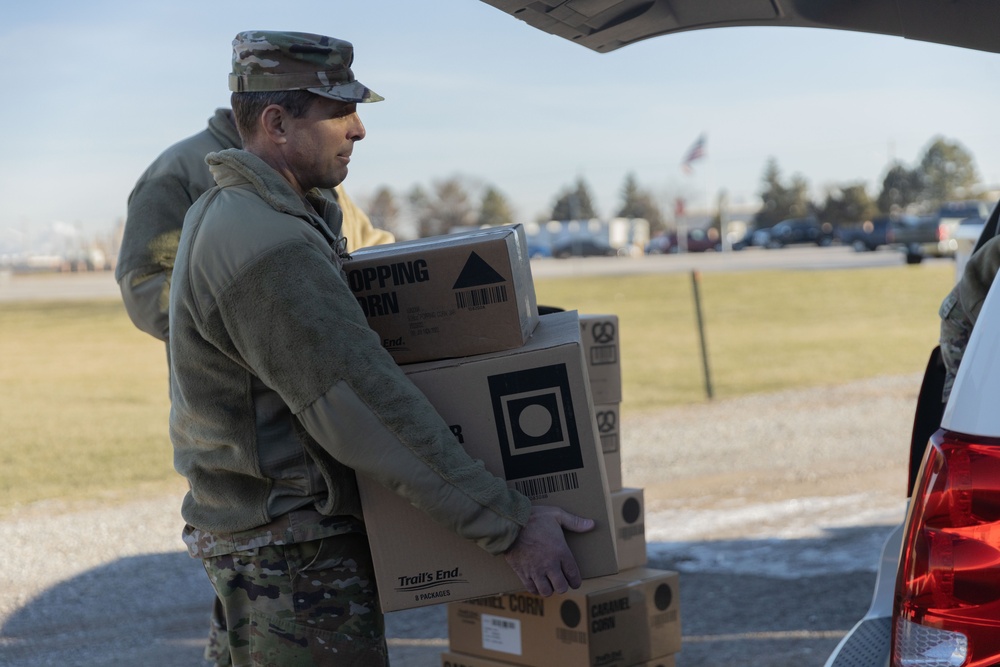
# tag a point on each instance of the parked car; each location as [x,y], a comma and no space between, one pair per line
[582,246]
[761,237]
[937,596]
[935,235]
[800,230]
[661,244]
[698,240]
[869,236]
[969,231]
[538,249]
[703,240]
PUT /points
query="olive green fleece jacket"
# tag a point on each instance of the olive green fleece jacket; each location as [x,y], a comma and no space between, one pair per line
[280,391]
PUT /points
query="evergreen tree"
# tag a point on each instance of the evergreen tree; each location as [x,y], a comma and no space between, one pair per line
[494,210]
[781,201]
[949,172]
[901,187]
[639,203]
[574,204]
[848,204]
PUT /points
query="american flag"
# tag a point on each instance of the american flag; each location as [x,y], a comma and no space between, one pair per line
[696,152]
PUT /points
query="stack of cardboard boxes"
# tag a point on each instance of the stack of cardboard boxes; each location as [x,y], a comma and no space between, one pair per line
[536,399]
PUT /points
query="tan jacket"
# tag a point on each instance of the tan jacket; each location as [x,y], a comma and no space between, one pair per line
[280,389]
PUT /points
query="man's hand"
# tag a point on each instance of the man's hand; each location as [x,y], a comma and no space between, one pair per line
[540,556]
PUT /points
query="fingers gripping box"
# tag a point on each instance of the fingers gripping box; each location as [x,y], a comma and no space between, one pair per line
[447,296]
[526,414]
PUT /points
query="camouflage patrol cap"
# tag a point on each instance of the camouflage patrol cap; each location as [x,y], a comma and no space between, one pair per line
[266,60]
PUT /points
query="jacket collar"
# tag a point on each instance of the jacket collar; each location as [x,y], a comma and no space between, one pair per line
[236,167]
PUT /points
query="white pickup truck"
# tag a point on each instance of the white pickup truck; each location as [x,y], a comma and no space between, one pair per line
[935,235]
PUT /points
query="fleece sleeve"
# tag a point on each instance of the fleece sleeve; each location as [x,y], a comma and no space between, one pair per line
[293,320]
[156,209]
[147,298]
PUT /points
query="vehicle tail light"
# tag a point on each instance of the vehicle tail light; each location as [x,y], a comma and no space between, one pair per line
[942,233]
[947,604]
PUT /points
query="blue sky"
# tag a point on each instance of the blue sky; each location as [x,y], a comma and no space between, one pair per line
[95,90]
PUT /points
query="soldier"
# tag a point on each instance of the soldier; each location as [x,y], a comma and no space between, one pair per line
[961,307]
[156,208]
[281,392]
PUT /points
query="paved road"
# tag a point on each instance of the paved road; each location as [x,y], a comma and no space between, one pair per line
[102,284]
[791,258]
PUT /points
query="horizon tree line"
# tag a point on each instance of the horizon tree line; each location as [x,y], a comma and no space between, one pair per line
[945,171]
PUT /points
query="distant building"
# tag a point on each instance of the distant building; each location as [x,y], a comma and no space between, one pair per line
[628,236]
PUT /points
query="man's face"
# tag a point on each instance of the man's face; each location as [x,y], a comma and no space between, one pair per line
[320,143]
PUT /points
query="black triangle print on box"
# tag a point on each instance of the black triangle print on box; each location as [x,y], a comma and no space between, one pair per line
[477,272]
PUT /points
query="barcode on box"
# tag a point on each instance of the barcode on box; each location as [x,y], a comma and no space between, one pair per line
[501,634]
[483,296]
[571,636]
[603,354]
[502,623]
[540,487]
[628,532]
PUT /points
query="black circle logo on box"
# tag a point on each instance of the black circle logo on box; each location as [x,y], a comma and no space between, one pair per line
[535,421]
[631,510]
[570,614]
[663,597]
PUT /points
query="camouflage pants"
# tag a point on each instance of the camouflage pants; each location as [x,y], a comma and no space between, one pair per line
[217,650]
[956,328]
[301,605]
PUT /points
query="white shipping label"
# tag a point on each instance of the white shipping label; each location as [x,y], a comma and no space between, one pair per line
[501,634]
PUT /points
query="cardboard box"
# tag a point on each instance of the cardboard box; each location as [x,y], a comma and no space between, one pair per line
[628,507]
[608,419]
[451,659]
[613,465]
[526,414]
[601,345]
[614,621]
[662,661]
[447,296]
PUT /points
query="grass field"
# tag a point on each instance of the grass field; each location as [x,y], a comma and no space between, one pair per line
[83,394]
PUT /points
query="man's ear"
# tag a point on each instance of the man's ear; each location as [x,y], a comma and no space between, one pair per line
[272,123]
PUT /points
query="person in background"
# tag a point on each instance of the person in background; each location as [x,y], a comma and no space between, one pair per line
[281,393]
[156,208]
[961,307]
